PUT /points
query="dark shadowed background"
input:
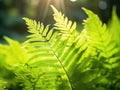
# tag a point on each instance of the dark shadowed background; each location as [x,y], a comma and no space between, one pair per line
[12,12]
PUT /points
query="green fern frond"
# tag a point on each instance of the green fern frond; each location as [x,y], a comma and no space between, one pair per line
[43,41]
[19,57]
[62,23]
[99,38]
[76,53]
[58,47]
[73,54]
[114,27]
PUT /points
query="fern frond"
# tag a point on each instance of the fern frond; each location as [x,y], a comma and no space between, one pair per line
[43,41]
[99,38]
[57,46]
[73,53]
[19,57]
[114,27]
[62,23]
[67,28]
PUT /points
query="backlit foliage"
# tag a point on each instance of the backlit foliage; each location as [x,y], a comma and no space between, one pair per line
[60,58]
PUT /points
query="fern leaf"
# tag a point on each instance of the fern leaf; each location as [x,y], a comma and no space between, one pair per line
[63,25]
[70,54]
[16,52]
[41,47]
[114,27]
[99,37]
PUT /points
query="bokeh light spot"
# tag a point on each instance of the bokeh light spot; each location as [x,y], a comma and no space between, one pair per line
[102,5]
[73,0]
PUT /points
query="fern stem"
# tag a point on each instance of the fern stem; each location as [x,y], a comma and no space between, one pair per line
[62,66]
